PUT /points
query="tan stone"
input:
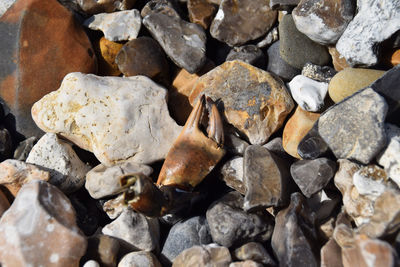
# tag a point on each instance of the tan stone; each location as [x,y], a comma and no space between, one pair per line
[296,128]
[4,203]
[106,51]
[350,80]
[338,61]
[253,100]
[331,254]
[203,256]
[201,12]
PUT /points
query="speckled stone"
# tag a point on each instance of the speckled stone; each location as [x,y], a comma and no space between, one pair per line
[139,259]
[318,73]
[201,12]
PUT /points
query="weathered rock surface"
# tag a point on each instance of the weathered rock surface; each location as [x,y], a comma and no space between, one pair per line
[258,109]
[201,12]
[202,256]
[4,203]
[323,203]
[24,148]
[250,54]
[338,61]
[139,259]
[100,6]
[106,51]
[318,73]
[279,66]
[32,48]
[103,249]
[103,114]
[246,263]
[232,174]
[390,156]
[115,206]
[254,251]
[40,229]
[283,4]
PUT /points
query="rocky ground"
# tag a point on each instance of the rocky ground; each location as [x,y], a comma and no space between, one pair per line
[199,133]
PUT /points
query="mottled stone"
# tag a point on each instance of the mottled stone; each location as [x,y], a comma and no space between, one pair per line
[279,66]
[318,73]
[103,114]
[230,225]
[4,203]
[24,147]
[100,6]
[232,174]
[297,49]
[390,156]
[283,4]
[323,21]
[139,259]
[238,22]
[312,145]
[266,178]
[374,22]
[40,229]
[360,141]
[103,249]
[202,256]
[338,61]
[331,254]
[258,109]
[296,129]
[250,54]
[14,174]
[350,80]
[254,251]
[201,12]
[106,51]
[312,175]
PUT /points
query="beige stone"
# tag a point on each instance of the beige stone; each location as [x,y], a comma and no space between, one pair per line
[331,254]
[203,256]
[338,61]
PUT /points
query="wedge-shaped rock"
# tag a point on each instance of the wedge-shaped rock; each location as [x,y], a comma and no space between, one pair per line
[116,118]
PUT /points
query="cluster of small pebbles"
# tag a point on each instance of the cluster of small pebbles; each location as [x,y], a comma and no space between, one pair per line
[95,92]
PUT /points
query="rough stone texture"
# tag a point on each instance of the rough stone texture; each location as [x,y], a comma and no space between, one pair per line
[201,12]
[34,44]
[103,181]
[374,22]
[103,249]
[166,7]
[312,145]
[283,4]
[186,234]
[323,204]
[139,231]
[331,254]
[103,114]
[115,206]
[254,251]
[106,51]
[312,175]
[203,256]
[350,80]
[40,229]
[296,48]
[230,225]
[390,156]
[323,21]
[254,101]
[100,6]
[232,174]
[295,237]
[265,177]
[361,141]
[24,148]
[238,22]
[67,171]
[14,174]
[183,42]
[296,129]
[247,263]
[139,259]
[338,61]
[250,54]
[318,73]
[4,5]
[4,203]
[279,66]
[307,93]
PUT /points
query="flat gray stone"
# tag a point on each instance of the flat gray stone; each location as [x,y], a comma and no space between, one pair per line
[279,66]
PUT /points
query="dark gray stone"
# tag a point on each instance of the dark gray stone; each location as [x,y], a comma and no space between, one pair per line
[318,73]
[254,251]
[275,146]
[283,4]
[167,7]
[312,175]
[312,145]
[6,144]
[248,53]
[278,66]
[24,147]
[230,225]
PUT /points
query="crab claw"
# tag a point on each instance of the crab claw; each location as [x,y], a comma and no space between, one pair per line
[194,154]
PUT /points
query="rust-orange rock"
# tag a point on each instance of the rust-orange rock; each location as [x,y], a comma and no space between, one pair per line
[201,12]
[395,58]
[106,51]
[41,43]
[338,61]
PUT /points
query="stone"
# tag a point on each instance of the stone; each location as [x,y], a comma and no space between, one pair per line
[296,48]
[283,4]
[254,251]
[24,147]
[271,37]
[395,58]
[186,234]
[338,61]
[14,174]
[116,26]
[266,178]
[103,114]
[312,145]
[234,144]
[137,230]
[183,42]
[143,56]
[4,203]
[296,128]
[232,174]
[103,181]
[258,109]
[350,80]
[217,2]
[363,140]
[307,93]
[238,22]
[37,45]
[138,259]
[91,263]
[40,229]
[318,73]
[201,12]
[279,66]
[378,21]
[6,144]
[103,249]
[106,51]
[323,22]
[250,54]
[202,256]
[312,175]
[331,254]
[389,158]
[230,225]
[166,7]
[5,5]
[323,204]
[276,147]
[247,263]
[67,171]
[115,206]
[108,6]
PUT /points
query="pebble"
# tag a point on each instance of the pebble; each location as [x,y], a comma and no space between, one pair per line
[103,249]
[318,73]
[6,144]
[338,61]
[100,6]
[40,229]
[266,179]
[24,148]
[350,80]
[258,109]
[137,230]
[115,206]
[323,22]
[202,256]
[106,51]
[139,259]
[101,114]
[48,57]
[5,5]
[201,12]
[279,66]
[230,225]
[232,174]
[296,128]
[331,254]
[238,22]
[276,147]
[390,156]
[14,174]
[250,54]
[254,251]
[323,204]
[234,144]
[297,49]
[378,21]
[247,263]
[271,37]
[186,234]
[283,4]
[4,203]
[312,175]
[312,145]
[67,171]
[91,263]
[307,93]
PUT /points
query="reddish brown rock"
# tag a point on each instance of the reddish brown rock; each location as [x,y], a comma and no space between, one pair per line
[41,43]
[201,12]
[106,51]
